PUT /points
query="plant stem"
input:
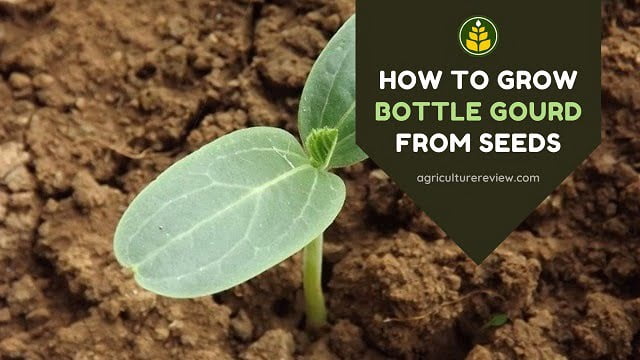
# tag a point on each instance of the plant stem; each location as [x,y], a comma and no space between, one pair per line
[312,283]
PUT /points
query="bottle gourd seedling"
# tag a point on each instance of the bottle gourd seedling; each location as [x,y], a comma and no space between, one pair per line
[252,198]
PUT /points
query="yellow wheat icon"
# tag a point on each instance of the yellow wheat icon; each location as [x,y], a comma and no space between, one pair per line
[478,40]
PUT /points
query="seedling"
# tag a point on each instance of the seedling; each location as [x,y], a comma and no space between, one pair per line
[252,198]
[496,321]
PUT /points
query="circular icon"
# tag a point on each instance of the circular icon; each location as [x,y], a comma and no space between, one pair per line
[478,36]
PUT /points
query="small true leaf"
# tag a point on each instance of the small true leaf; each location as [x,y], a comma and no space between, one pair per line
[328,99]
[320,145]
[226,213]
[496,320]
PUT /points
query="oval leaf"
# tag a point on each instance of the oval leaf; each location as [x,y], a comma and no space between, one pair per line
[328,99]
[226,213]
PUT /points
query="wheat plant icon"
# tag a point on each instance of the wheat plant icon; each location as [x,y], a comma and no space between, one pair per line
[478,40]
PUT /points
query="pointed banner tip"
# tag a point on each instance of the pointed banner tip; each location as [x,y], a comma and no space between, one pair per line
[478,258]
[478,243]
[479,254]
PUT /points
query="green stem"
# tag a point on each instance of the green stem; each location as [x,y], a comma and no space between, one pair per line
[312,283]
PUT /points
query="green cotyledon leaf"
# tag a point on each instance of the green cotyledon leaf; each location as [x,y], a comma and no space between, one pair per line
[226,213]
[328,99]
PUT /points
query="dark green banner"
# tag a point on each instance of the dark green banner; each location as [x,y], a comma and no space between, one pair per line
[478,109]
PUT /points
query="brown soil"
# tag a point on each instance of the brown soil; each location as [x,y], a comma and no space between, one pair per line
[99,96]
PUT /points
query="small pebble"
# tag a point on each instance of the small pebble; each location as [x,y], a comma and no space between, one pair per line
[178,27]
[43,81]
[81,103]
[22,120]
[242,326]
[162,333]
[117,56]
[213,38]
[19,81]
[378,174]
[39,315]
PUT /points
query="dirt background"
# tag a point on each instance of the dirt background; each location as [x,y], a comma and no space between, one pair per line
[98,97]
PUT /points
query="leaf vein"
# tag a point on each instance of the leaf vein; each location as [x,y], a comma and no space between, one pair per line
[250,226]
[246,196]
[172,201]
[345,115]
[333,83]
[258,149]
[345,138]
